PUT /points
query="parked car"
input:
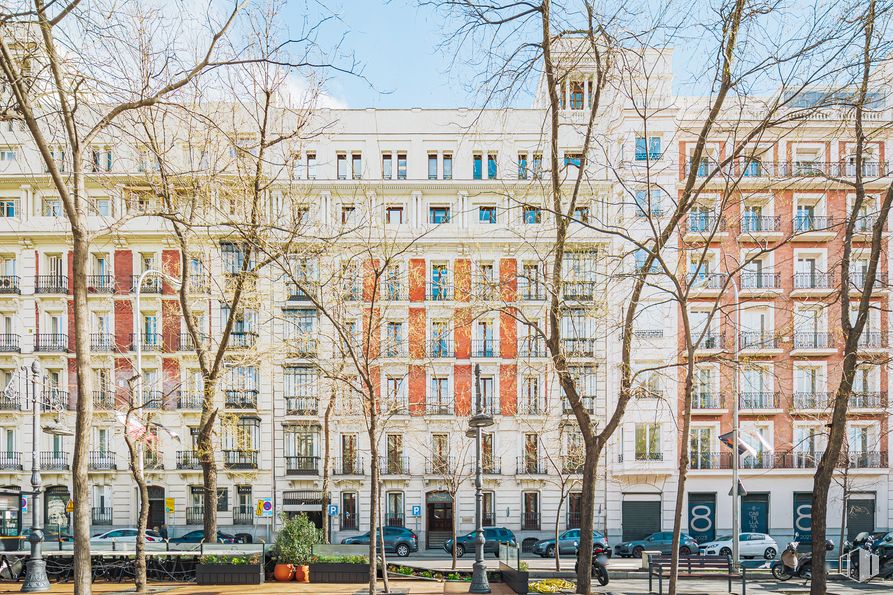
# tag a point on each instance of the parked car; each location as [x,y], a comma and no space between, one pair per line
[661,542]
[124,536]
[750,545]
[198,536]
[568,543]
[397,540]
[493,536]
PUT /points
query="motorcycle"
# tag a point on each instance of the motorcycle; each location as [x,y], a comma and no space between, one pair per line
[599,564]
[793,564]
[866,541]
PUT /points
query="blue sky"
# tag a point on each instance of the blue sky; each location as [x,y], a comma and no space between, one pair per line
[396,45]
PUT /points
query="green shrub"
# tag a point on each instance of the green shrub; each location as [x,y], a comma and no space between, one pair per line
[356,559]
[230,559]
[295,540]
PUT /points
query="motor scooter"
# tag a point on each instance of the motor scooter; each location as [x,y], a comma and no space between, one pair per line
[599,564]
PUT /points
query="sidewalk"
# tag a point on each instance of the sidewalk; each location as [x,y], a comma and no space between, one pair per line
[398,587]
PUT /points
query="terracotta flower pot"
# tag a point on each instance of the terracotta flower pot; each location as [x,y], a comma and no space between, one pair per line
[284,572]
[302,573]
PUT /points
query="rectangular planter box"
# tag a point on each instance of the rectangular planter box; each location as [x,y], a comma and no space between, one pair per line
[339,573]
[229,574]
[517,580]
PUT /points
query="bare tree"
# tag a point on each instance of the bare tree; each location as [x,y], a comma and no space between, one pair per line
[55,63]
[872,21]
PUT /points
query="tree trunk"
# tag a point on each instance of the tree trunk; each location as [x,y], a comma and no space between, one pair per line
[206,452]
[683,471]
[453,527]
[326,473]
[587,521]
[140,582]
[373,507]
[557,524]
[83,573]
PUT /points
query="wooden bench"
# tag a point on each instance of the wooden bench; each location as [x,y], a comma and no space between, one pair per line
[695,567]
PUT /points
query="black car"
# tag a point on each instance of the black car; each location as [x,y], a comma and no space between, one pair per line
[493,536]
[397,540]
[198,536]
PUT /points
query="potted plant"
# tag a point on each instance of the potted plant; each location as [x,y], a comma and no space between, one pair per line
[294,548]
[229,569]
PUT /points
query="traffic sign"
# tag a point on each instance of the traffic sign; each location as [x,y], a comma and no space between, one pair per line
[333,510]
[169,506]
[264,508]
[70,506]
[24,504]
[416,510]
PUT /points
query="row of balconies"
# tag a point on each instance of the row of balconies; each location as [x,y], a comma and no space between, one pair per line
[101,284]
[755,341]
[771,400]
[795,459]
[58,461]
[755,169]
[755,282]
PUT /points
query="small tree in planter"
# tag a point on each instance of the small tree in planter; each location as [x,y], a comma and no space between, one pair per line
[294,547]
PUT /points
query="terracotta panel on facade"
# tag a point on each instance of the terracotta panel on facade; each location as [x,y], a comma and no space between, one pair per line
[170,266]
[123,271]
[372,330]
[369,267]
[508,334]
[462,332]
[417,333]
[70,326]
[508,278]
[123,325]
[462,279]
[508,389]
[170,370]
[462,387]
[416,390]
[170,325]
[417,279]
[72,383]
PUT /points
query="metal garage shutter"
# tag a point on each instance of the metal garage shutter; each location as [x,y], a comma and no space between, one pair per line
[859,516]
[640,519]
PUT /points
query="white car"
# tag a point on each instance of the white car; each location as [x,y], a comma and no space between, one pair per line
[750,545]
[124,536]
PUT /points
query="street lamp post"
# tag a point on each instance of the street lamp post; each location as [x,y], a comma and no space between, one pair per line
[736,529]
[36,579]
[476,424]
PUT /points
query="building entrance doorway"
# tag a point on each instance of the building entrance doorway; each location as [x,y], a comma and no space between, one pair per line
[156,507]
[439,519]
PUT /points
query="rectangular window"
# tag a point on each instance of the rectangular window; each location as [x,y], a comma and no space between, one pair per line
[8,207]
[432,166]
[342,166]
[394,215]
[438,215]
[573,159]
[311,166]
[532,215]
[491,166]
[401,166]
[348,214]
[477,166]
[522,166]
[648,442]
[102,206]
[537,168]
[357,166]
[647,148]
[387,166]
[581,214]
[7,155]
[447,166]
[487,215]
[51,207]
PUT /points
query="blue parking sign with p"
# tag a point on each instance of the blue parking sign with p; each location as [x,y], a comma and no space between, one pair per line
[333,510]
[416,510]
